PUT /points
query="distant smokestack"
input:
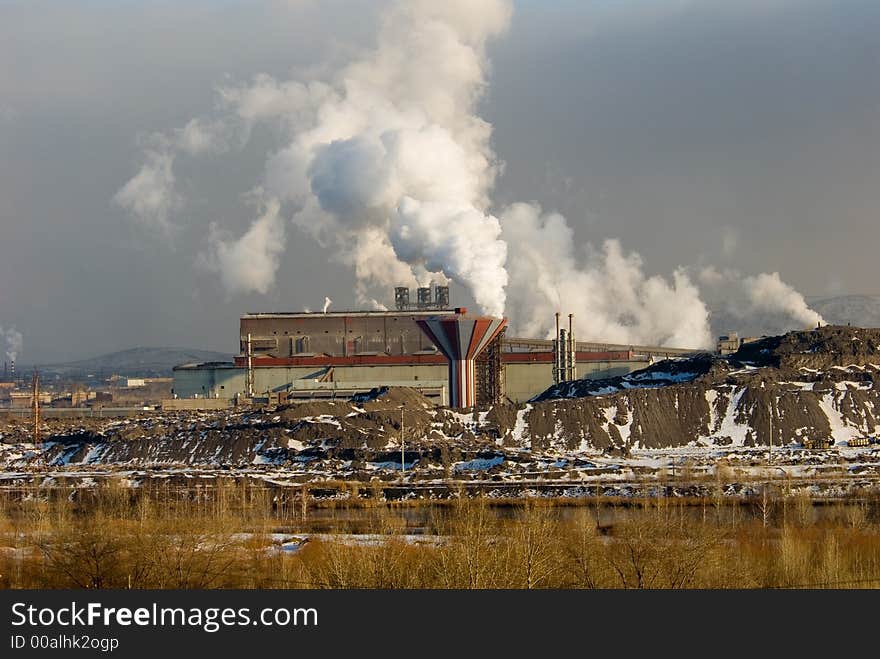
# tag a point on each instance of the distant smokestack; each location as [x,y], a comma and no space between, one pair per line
[12,370]
[250,367]
[557,354]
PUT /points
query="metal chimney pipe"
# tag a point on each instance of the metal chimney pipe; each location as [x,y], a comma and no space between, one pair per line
[557,356]
[250,368]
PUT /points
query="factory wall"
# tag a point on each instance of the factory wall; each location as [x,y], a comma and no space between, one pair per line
[528,379]
[277,378]
[522,380]
[208,381]
[341,334]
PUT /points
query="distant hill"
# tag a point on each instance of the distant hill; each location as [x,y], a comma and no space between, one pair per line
[146,362]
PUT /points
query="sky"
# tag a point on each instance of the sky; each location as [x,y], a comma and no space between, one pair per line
[734,133]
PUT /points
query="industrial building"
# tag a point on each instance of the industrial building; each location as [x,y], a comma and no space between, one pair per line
[334,354]
[731,342]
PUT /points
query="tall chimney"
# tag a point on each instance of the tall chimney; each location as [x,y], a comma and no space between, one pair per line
[250,367]
[557,355]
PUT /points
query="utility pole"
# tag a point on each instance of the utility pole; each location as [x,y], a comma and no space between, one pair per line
[36,407]
[402,463]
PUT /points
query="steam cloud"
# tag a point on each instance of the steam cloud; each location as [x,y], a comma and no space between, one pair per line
[149,196]
[610,295]
[389,165]
[249,263]
[13,342]
[764,300]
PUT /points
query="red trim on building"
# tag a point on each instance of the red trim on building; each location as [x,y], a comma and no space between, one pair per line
[353,360]
[581,356]
[415,360]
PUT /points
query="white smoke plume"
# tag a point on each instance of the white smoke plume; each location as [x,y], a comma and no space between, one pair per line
[391,167]
[249,263]
[388,164]
[13,341]
[612,298]
[461,242]
[769,294]
[149,196]
[200,136]
[761,303]
[327,303]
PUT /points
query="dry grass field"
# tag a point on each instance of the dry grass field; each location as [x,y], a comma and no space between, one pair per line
[236,536]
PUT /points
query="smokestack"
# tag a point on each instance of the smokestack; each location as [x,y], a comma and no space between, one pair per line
[250,367]
[423,297]
[557,355]
[12,370]
[36,408]
[572,350]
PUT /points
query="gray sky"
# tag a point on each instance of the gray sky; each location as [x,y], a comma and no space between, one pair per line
[740,133]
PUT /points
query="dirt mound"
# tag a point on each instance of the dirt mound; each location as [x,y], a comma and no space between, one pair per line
[312,408]
[664,373]
[821,348]
[819,385]
[387,397]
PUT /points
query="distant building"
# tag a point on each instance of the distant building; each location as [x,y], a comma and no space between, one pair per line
[728,343]
[19,399]
[731,342]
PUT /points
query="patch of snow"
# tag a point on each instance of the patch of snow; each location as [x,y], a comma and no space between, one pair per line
[602,391]
[840,431]
[479,464]
[517,434]
[729,427]
[711,397]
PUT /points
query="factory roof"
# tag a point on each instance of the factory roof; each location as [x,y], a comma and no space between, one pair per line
[203,365]
[355,314]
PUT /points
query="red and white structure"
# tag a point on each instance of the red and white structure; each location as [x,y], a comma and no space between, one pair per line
[461,338]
